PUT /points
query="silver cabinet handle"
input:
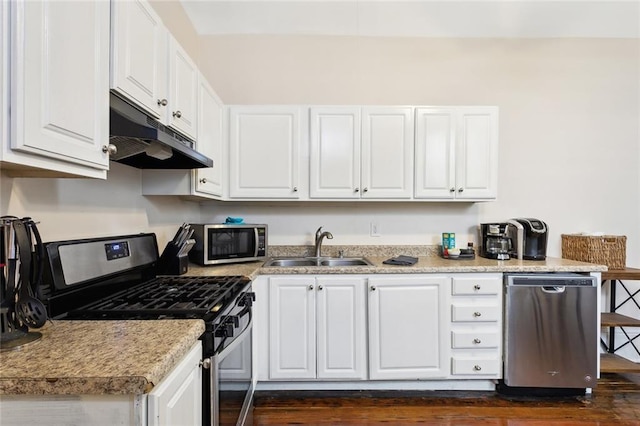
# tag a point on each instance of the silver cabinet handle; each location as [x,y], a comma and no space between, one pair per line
[356,190]
[311,287]
[177,114]
[295,189]
[477,341]
[365,190]
[320,287]
[477,368]
[477,314]
[162,102]
[203,180]
[205,363]
[476,287]
[373,288]
[110,149]
[460,189]
[452,189]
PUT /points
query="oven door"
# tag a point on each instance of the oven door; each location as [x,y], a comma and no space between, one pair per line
[232,376]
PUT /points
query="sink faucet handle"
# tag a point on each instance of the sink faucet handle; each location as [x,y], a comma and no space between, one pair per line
[340,253]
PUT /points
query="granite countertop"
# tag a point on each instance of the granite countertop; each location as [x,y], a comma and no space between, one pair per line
[97,357]
[428,262]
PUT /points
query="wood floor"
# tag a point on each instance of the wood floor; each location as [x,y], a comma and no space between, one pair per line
[615,401]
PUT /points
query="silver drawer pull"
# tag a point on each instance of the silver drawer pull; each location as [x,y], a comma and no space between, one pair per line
[477,368]
[477,314]
[476,287]
[477,341]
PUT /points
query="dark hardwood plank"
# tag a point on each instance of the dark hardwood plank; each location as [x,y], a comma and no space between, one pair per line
[615,401]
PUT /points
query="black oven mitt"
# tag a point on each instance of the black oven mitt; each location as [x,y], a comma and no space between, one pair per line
[401,260]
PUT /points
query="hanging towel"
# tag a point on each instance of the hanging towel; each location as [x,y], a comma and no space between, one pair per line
[401,260]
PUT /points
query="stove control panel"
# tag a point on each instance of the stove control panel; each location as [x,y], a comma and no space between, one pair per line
[117,250]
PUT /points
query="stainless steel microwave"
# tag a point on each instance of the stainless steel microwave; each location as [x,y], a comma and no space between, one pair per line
[228,243]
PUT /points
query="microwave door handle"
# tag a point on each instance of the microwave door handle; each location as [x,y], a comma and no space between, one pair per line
[256,246]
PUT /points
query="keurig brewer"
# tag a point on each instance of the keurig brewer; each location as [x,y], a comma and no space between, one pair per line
[530,238]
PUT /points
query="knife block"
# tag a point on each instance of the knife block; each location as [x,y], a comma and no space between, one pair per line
[170,263]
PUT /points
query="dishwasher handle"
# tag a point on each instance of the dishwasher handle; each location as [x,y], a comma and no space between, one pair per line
[553,289]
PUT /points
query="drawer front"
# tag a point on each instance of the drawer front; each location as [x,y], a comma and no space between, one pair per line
[475,339]
[470,286]
[475,367]
[474,313]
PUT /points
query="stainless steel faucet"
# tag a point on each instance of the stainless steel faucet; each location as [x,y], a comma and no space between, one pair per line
[319,237]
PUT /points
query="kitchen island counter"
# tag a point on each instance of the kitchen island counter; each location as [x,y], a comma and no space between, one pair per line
[97,357]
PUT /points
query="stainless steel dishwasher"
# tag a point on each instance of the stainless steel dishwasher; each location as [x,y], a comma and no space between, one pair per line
[551,331]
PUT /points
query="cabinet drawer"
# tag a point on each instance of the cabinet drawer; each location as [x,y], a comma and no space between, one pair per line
[478,367]
[474,313]
[475,339]
[476,286]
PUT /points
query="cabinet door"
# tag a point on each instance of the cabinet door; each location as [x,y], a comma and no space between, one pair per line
[183,90]
[139,55]
[210,115]
[477,153]
[341,328]
[292,344]
[334,152]
[387,152]
[178,397]
[4,73]
[408,327]
[435,153]
[60,78]
[264,144]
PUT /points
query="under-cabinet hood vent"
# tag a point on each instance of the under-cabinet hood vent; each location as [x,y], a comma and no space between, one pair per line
[145,143]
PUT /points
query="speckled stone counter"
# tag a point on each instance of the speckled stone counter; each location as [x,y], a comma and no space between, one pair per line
[428,262]
[97,357]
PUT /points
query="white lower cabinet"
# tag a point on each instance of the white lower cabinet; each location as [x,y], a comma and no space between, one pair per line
[476,326]
[178,397]
[317,327]
[408,327]
[379,327]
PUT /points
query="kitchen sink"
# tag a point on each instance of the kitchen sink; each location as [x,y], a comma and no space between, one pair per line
[292,262]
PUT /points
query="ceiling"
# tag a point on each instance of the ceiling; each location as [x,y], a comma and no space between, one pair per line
[417,18]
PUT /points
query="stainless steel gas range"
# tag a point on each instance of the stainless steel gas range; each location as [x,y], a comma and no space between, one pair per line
[115,278]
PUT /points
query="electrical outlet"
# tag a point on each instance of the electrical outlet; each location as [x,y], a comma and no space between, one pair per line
[375,229]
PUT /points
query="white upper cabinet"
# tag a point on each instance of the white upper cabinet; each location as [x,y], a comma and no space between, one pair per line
[387,152]
[264,152]
[210,140]
[139,55]
[59,79]
[361,152]
[334,152]
[151,69]
[183,90]
[456,153]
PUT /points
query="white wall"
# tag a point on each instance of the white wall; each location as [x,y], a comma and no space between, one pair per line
[82,208]
[569,125]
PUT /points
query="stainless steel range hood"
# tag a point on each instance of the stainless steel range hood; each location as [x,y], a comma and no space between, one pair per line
[145,143]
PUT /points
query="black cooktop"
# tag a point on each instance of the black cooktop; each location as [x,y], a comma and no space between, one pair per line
[174,297]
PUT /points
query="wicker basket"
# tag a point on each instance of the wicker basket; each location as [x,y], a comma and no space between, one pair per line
[609,250]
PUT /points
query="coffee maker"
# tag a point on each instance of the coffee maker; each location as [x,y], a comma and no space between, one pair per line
[530,238]
[494,241]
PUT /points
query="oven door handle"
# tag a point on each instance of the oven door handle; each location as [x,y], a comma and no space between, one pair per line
[221,353]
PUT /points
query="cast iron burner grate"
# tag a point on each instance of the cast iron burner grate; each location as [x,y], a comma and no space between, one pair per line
[167,297]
